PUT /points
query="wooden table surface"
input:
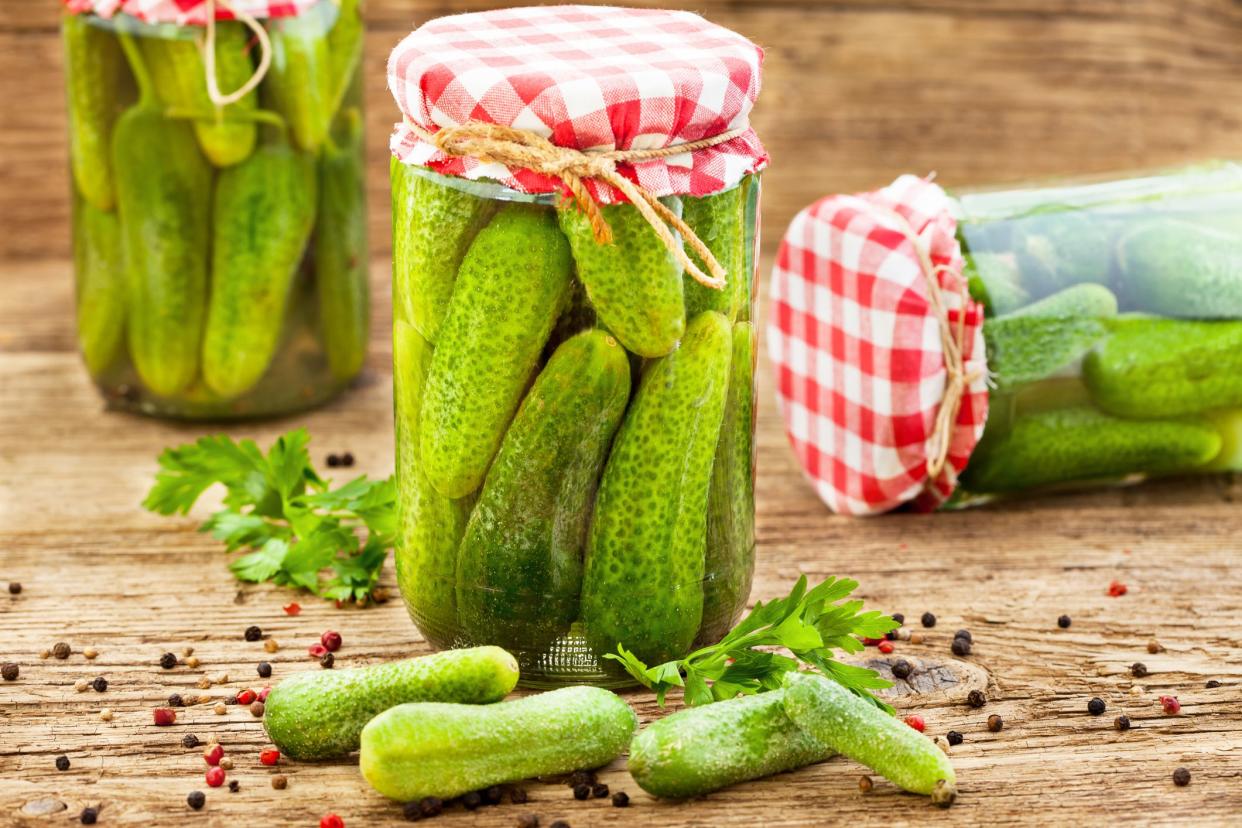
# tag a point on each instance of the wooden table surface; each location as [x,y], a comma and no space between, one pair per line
[856,93]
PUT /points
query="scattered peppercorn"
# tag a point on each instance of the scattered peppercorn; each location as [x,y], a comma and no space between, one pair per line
[975,698]
[410,811]
[1181,777]
[1138,669]
[1063,622]
[954,737]
[164,716]
[333,461]
[898,617]
[347,459]
[1096,706]
[1171,705]
[192,662]
[902,669]
[964,634]
[916,638]
[582,791]
[518,796]
[196,800]
[226,762]
[15,588]
[269,756]
[257,709]
[1154,646]
[215,776]
[327,661]
[62,763]
[234,786]
[891,635]
[263,694]
[960,647]
[81,685]
[331,640]
[916,722]
[264,670]
[280,781]
[431,806]
[1212,684]
[105,714]
[928,620]
[220,709]
[1116,589]
[213,754]
[246,696]
[316,651]
[493,795]
[865,784]
[89,816]
[581,777]
[1122,722]
[331,821]
[599,790]
[252,633]
[528,821]
[995,723]
[271,645]
[189,740]
[885,647]
[471,800]
[620,799]
[175,700]
[100,684]
[560,823]
[944,794]
[10,671]
[230,700]
[90,653]
[168,661]
[45,654]
[61,650]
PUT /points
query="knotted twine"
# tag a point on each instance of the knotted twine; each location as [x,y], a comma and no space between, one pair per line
[519,148]
[209,54]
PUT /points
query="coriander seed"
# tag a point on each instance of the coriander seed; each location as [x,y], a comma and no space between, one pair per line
[192,662]
[90,653]
[270,645]
[105,714]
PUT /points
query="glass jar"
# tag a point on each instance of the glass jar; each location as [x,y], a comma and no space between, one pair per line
[574,455]
[1113,329]
[220,251]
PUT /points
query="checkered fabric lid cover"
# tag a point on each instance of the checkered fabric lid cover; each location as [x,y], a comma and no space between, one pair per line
[189,12]
[584,77]
[860,363]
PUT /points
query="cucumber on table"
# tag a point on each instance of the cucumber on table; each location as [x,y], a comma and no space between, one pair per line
[519,569]
[1179,269]
[642,585]
[708,747]
[444,750]
[634,283]
[320,714]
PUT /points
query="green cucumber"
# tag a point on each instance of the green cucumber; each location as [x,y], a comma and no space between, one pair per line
[264,212]
[430,525]
[1229,425]
[702,749]
[730,557]
[1047,336]
[1060,247]
[995,281]
[341,263]
[320,714]
[634,283]
[433,226]
[345,40]
[1151,368]
[513,284]
[444,750]
[858,729]
[1079,444]
[519,570]
[93,64]
[719,221]
[100,275]
[301,83]
[1175,268]
[642,585]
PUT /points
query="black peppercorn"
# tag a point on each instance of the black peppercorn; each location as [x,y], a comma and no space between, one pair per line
[175,700]
[252,633]
[493,795]
[1138,669]
[975,698]
[15,588]
[1096,706]
[61,650]
[960,647]
[10,671]
[995,723]
[1181,777]
[189,740]
[168,661]
[327,661]
[230,700]
[62,763]
[518,796]
[1212,684]
[599,790]
[528,821]
[100,684]
[620,799]
[471,800]
[411,811]
[902,669]
[928,620]
[89,815]
[333,461]
[898,617]
[347,459]
[265,670]
[234,786]
[581,777]
[560,823]
[196,799]
[431,806]
[1122,722]
[1063,622]
[954,737]
[970,639]
[582,791]
[891,635]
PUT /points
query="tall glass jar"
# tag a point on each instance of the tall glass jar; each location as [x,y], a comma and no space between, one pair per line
[1113,329]
[575,451]
[220,250]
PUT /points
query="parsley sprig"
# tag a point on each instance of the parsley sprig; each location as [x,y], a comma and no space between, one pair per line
[810,624]
[299,530]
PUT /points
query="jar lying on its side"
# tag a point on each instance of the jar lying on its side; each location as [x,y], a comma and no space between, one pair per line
[557,454]
[1113,329]
[220,251]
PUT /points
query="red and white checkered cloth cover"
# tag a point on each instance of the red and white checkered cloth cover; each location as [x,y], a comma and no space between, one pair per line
[584,77]
[189,12]
[860,366]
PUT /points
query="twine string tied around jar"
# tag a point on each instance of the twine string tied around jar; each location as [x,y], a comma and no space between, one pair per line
[209,54]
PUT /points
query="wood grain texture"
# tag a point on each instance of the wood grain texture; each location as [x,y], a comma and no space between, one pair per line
[856,92]
[99,572]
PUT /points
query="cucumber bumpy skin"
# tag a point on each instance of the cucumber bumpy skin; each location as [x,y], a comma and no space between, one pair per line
[1081,444]
[430,525]
[705,748]
[1151,368]
[93,64]
[1060,248]
[444,750]
[264,212]
[300,82]
[1175,268]
[866,734]
[642,586]
[719,222]
[995,281]
[100,295]
[519,570]
[320,714]
[513,284]
[634,283]
[433,226]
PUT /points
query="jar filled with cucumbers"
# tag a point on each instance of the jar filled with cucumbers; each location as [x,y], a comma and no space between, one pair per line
[1113,329]
[574,424]
[219,238]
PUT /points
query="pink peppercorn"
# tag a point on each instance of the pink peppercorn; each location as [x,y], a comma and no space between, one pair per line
[917,723]
[332,821]
[331,640]
[316,651]
[1171,705]
[293,609]
[1116,589]
[885,647]
[870,642]
[270,756]
[164,716]
[214,754]
[215,776]
[246,696]
[263,694]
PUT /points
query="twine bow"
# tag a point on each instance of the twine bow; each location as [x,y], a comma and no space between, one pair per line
[209,54]
[497,144]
